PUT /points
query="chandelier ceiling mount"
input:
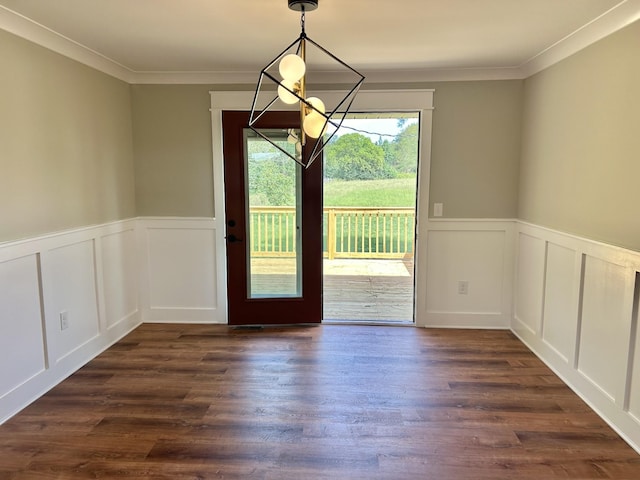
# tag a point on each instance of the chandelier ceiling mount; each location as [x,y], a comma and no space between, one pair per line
[303,5]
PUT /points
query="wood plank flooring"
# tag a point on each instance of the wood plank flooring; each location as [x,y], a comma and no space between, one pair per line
[330,402]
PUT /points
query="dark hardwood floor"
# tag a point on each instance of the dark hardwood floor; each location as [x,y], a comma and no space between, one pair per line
[330,402]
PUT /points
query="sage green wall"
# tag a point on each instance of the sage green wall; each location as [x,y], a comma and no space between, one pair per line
[580,167]
[173,152]
[69,157]
[66,151]
[476,144]
[476,148]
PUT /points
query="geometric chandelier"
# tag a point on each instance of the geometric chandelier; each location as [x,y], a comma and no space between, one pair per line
[286,83]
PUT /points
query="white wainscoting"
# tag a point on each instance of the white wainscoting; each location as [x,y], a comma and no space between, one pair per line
[478,252]
[576,307]
[183,273]
[89,274]
[573,301]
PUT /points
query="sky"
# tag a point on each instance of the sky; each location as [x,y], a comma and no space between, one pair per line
[376,126]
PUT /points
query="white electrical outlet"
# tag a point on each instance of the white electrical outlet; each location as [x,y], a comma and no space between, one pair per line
[463,287]
[64,320]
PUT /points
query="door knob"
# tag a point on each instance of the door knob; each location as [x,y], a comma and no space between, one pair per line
[233,239]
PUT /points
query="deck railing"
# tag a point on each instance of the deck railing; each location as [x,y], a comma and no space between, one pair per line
[349,232]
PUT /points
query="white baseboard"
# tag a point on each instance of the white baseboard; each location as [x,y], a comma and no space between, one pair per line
[105,280]
[576,307]
[85,274]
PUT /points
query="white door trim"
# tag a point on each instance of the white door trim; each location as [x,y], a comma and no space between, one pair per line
[367,100]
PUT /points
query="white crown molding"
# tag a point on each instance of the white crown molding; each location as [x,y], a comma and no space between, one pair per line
[442,75]
[26,28]
[623,14]
[199,78]
[374,76]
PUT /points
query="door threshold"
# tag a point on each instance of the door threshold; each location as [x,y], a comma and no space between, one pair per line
[263,326]
[378,323]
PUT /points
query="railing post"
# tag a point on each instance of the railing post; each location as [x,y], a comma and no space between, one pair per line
[331,234]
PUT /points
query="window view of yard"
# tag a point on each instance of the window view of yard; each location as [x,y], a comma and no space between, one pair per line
[394,192]
[370,169]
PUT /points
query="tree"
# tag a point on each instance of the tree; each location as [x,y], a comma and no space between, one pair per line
[404,154]
[355,157]
[389,148]
[272,175]
[274,182]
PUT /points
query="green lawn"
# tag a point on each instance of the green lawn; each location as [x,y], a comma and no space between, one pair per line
[394,192]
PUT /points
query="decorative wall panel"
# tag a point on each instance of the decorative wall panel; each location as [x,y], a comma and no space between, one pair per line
[588,327]
[469,271]
[562,287]
[22,338]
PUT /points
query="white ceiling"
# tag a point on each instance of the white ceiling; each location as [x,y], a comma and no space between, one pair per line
[231,40]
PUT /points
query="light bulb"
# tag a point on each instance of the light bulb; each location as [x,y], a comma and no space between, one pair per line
[292,67]
[317,104]
[285,95]
[314,125]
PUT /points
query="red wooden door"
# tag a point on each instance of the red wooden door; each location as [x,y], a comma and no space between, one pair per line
[274,252]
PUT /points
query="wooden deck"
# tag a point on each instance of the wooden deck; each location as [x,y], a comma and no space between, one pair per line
[368,290]
[354,290]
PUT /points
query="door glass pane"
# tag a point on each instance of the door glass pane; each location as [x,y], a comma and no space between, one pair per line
[274,260]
